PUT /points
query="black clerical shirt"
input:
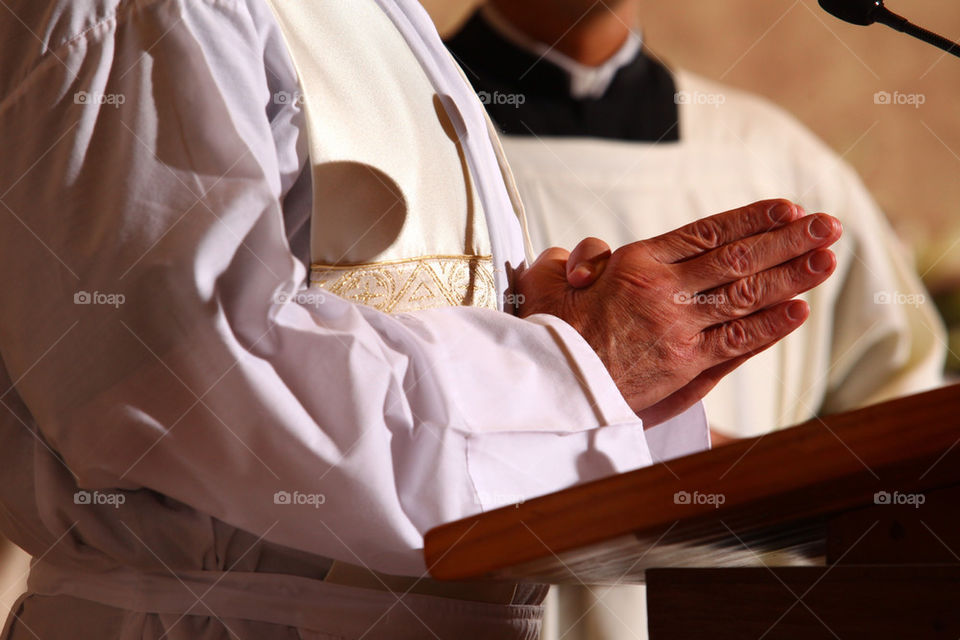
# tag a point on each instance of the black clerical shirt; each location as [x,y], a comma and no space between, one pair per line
[638,105]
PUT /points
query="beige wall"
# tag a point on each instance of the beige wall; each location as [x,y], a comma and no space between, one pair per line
[826,72]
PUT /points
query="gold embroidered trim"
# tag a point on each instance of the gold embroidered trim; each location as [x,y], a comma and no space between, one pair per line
[412,284]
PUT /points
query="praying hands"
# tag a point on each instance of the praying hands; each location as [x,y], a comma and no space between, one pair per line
[672,315]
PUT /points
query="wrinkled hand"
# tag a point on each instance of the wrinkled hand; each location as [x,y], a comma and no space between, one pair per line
[670,316]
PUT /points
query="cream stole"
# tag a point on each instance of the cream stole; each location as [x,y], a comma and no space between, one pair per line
[397,223]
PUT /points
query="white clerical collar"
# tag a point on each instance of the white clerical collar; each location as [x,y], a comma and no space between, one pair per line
[585,81]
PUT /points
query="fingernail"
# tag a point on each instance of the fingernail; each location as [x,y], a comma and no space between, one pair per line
[819,229]
[796,310]
[583,270]
[782,212]
[820,262]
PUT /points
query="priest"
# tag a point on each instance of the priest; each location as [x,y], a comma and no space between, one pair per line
[268,319]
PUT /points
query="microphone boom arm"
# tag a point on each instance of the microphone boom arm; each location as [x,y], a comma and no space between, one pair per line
[866,12]
[899,23]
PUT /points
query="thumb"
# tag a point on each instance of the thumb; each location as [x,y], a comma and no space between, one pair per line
[586,262]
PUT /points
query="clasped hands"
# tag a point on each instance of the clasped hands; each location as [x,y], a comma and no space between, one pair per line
[670,316]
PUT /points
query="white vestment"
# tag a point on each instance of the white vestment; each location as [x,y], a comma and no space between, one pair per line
[186,430]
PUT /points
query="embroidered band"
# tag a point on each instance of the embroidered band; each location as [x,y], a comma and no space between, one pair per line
[427,282]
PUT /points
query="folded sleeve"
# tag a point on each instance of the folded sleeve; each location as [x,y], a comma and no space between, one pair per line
[152,323]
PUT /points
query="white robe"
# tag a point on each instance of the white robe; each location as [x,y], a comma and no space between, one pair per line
[178,434]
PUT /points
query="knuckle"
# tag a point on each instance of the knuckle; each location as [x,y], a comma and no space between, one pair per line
[704,233]
[735,338]
[726,307]
[795,276]
[798,241]
[744,295]
[734,259]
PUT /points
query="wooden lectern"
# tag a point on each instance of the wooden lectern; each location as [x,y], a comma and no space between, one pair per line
[843,527]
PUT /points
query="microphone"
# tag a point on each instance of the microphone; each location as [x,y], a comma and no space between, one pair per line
[866,12]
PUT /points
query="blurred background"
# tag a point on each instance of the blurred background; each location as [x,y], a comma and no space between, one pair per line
[827,73]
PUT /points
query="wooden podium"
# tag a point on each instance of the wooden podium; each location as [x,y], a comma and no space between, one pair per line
[843,527]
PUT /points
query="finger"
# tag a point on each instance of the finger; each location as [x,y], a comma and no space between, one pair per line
[691,393]
[707,234]
[758,253]
[767,288]
[534,288]
[548,268]
[586,262]
[694,391]
[551,255]
[718,439]
[746,335]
